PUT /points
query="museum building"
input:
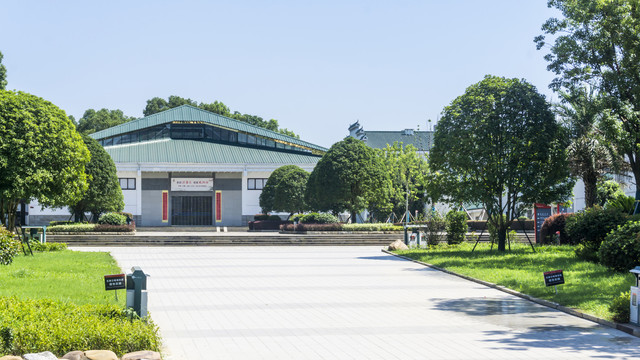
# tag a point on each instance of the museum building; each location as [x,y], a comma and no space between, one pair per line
[187,166]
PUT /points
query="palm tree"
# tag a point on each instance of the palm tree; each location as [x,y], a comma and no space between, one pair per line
[590,156]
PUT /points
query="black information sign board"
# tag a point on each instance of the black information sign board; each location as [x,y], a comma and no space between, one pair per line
[542,213]
[552,278]
[114,282]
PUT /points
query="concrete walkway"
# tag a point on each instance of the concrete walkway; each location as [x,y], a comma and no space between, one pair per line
[347,303]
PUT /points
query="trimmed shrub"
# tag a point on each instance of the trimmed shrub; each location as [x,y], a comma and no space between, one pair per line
[620,250]
[261,217]
[112,219]
[456,227]
[76,227]
[274,218]
[318,218]
[55,223]
[114,228]
[9,246]
[619,308]
[371,227]
[592,225]
[30,326]
[551,226]
[266,225]
[311,227]
[296,217]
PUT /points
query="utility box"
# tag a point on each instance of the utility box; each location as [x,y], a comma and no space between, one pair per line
[137,291]
[633,298]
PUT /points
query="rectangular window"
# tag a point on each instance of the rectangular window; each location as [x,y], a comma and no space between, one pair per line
[256,184]
[127,183]
[242,138]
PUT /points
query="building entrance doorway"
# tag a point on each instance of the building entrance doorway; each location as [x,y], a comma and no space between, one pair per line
[191,210]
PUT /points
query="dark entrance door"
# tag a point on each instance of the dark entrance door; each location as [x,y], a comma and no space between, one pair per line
[191,210]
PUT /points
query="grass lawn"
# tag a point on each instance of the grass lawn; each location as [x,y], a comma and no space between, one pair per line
[67,276]
[588,287]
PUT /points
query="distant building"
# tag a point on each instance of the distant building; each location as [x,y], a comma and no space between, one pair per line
[421,140]
[187,166]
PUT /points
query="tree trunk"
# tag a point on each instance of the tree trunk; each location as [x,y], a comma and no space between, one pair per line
[590,189]
[502,239]
[353,217]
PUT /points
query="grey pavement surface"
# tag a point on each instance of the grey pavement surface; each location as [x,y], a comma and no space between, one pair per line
[347,303]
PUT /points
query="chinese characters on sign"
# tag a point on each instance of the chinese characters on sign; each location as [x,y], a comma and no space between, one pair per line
[192,184]
[552,278]
[114,282]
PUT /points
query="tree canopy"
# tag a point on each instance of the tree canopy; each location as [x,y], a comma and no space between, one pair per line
[268,194]
[345,178]
[597,42]
[103,193]
[93,121]
[3,74]
[158,104]
[404,187]
[42,156]
[498,144]
[289,194]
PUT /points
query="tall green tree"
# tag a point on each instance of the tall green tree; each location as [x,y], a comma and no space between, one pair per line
[597,42]
[93,121]
[103,193]
[498,144]
[42,157]
[345,178]
[407,175]
[268,194]
[3,74]
[157,105]
[590,156]
[290,191]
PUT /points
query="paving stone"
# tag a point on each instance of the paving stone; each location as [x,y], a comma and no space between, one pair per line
[347,303]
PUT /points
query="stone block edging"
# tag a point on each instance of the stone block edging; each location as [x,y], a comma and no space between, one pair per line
[627,328]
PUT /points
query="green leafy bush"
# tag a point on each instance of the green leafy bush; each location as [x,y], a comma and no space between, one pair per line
[318,218]
[456,227]
[76,227]
[9,246]
[112,219]
[54,223]
[619,308]
[44,247]
[30,326]
[296,217]
[551,226]
[371,227]
[621,203]
[274,218]
[592,225]
[620,250]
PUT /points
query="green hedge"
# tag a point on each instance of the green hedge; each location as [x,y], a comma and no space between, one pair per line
[371,227]
[91,228]
[31,326]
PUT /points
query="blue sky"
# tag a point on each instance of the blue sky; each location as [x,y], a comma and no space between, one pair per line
[315,66]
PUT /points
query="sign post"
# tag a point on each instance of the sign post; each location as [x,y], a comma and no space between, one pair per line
[114,282]
[541,212]
[555,277]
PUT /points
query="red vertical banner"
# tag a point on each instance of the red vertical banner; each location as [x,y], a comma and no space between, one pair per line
[218,206]
[165,206]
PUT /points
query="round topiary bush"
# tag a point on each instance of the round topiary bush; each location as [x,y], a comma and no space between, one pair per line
[591,226]
[112,219]
[620,250]
[9,246]
[317,218]
[552,225]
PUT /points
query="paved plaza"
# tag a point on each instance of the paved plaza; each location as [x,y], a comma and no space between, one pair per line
[347,303]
